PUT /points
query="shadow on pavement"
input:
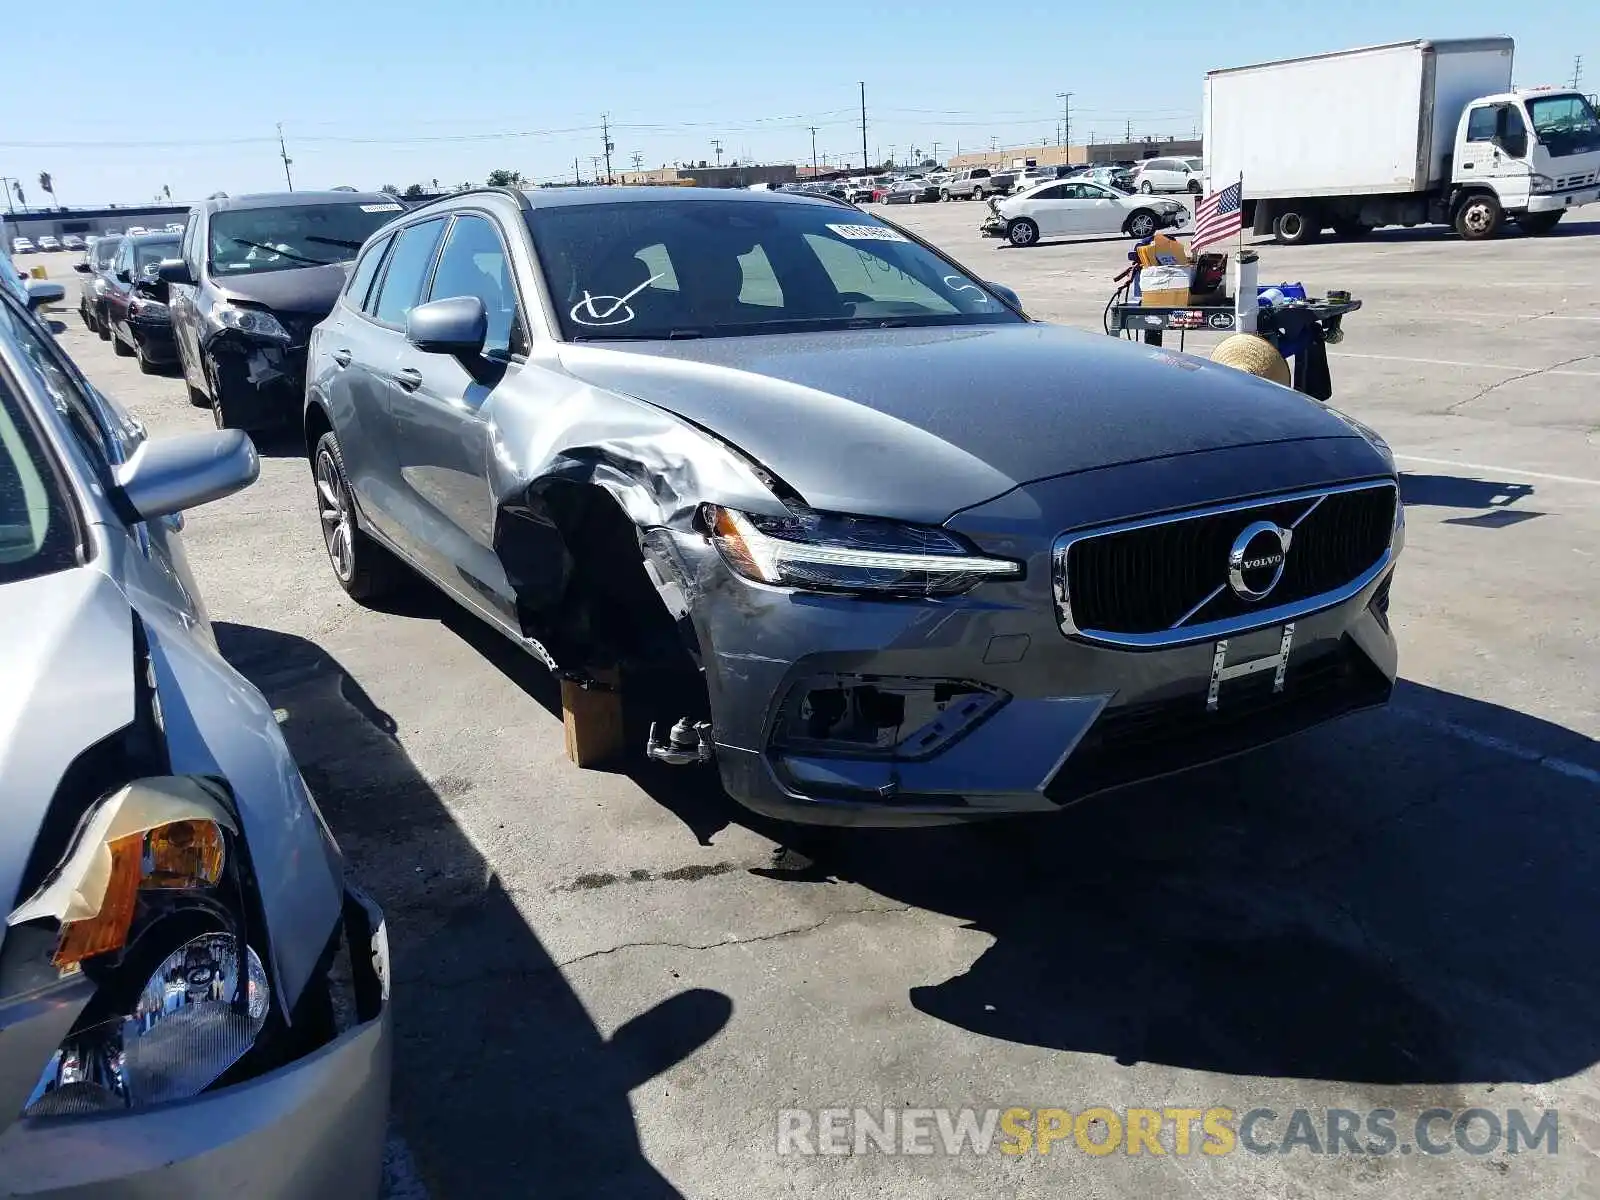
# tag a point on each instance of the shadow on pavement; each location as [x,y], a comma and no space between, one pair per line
[1454,491]
[1410,897]
[503,1085]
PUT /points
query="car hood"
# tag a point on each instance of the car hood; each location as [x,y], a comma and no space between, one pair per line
[302,290]
[917,424]
[69,683]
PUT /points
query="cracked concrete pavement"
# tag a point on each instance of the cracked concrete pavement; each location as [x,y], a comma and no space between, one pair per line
[608,983]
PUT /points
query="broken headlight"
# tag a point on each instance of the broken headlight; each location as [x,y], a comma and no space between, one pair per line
[149,906]
[257,322]
[829,553]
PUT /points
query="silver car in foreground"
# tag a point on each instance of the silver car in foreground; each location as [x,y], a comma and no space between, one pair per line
[193,1000]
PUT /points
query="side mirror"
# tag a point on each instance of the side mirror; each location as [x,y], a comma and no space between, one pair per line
[42,293]
[82,268]
[170,475]
[456,326]
[174,271]
[125,275]
[1005,293]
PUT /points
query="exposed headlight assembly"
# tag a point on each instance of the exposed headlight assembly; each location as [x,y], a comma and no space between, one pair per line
[142,899]
[829,553]
[256,322]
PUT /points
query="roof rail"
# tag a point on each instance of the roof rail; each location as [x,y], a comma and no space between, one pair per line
[516,194]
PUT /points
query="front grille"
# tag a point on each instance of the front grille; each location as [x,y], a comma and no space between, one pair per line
[1146,741]
[1148,578]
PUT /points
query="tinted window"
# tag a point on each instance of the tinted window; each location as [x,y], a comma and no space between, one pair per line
[1062,191]
[65,389]
[36,529]
[147,254]
[252,240]
[720,267]
[981,173]
[408,267]
[355,293]
[1480,125]
[473,263]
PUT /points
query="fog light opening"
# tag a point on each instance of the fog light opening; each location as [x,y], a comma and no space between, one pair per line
[879,716]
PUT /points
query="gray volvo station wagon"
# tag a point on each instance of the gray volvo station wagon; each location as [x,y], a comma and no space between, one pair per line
[848,522]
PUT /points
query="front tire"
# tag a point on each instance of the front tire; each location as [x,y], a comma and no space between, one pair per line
[944,195]
[1022,232]
[119,347]
[146,367]
[364,569]
[977,193]
[1479,217]
[1146,189]
[1142,224]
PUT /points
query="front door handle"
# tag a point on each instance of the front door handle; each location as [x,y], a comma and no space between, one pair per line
[342,357]
[409,378]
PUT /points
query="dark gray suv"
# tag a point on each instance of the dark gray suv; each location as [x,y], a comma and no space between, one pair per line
[839,515]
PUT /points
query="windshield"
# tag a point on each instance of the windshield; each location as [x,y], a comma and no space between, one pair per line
[37,532]
[709,268]
[252,240]
[149,253]
[1565,124]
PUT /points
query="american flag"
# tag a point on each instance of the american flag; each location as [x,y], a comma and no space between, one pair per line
[1219,216]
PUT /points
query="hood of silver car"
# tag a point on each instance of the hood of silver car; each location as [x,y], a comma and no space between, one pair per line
[69,683]
[917,424]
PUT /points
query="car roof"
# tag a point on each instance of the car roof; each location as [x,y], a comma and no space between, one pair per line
[560,197]
[155,235]
[295,199]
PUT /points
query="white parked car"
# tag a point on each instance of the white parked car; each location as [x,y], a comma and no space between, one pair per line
[1031,177]
[1169,175]
[49,242]
[136,230]
[71,241]
[1073,208]
[21,245]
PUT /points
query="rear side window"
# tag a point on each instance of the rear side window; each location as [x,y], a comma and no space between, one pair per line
[355,292]
[401,288]
[981,173]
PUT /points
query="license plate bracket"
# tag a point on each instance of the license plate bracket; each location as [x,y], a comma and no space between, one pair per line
[1221,671]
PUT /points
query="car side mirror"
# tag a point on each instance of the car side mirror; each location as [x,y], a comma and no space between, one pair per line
[41,293]
[174,271]
[1005,293]
[456,326]
[171,474]
[125,275]
[82,268]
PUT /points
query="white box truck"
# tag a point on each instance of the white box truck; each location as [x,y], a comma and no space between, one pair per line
[1413,133]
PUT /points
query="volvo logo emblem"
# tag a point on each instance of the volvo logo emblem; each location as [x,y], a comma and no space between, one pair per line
[1257,559]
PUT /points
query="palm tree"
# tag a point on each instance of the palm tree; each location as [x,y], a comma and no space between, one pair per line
[47,184]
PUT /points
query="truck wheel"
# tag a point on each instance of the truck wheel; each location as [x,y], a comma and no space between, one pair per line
[1351,229]
[1295,227]
[1142,224]
[1478,217]
[1537,223]
[944,194]
[1022,232]
[977,193]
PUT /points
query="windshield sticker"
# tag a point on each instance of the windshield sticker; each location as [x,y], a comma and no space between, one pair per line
[382,207]
[868,233]
[607,310]
[957,284]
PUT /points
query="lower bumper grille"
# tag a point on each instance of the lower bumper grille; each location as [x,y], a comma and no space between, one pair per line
[1146,741]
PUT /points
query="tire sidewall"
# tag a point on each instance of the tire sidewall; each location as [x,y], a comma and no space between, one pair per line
[1482,202]
[1024,224]
[1144,214]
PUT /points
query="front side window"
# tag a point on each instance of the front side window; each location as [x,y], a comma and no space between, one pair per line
[37,533]
[66,391]
[474,263]
[105,252]
[248,241]
[401,289]
[1565,124]
[1480,125]
[709,268]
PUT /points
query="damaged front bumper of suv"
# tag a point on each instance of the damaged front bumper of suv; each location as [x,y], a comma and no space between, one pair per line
[1092,669]
[257,363]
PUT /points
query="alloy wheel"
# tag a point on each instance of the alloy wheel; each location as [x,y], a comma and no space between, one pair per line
[333,506]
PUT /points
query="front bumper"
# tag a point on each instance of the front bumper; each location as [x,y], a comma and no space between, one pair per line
[263,382]
[155,340]
[1561,201]
[1076,717]
[315,1127]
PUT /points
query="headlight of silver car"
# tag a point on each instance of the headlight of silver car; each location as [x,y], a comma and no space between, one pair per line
[829,553]
[256,322]
[148,905]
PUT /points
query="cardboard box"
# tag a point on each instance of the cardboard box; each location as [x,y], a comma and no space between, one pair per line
[593,719]
[1164,286]
[1165,298]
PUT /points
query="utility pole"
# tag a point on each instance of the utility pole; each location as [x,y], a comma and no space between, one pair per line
[865,165]
[638,162]
[716,145]
[5,183]
[936,152]
[605,139]
[283,153]
[1066,117]
[1577,71]
[1127,131]
[594,164]
[576,178]
[813,150]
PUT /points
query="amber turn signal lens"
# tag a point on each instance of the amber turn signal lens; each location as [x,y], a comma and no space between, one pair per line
[183,854]
[108,928]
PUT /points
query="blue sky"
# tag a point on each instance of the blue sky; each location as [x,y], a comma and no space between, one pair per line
[406,91]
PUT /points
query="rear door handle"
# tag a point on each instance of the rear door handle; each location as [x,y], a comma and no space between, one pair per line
[409,378]
[342,357]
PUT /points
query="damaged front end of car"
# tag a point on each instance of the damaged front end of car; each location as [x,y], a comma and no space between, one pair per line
[257,361]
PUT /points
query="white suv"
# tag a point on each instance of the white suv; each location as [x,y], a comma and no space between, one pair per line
[1169,175]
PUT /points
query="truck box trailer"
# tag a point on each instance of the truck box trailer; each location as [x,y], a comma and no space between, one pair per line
[1403,134]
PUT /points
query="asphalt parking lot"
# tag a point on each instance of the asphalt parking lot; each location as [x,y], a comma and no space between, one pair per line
[611,983]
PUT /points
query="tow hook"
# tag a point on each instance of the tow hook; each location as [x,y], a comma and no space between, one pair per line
[688,743]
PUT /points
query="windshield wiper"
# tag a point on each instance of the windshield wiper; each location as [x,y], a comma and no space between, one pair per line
[672,335]
[313,262]
[344,243]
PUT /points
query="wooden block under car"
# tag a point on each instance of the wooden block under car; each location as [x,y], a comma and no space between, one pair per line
[592,718]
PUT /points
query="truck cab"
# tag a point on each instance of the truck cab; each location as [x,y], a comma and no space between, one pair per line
[1528,155]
